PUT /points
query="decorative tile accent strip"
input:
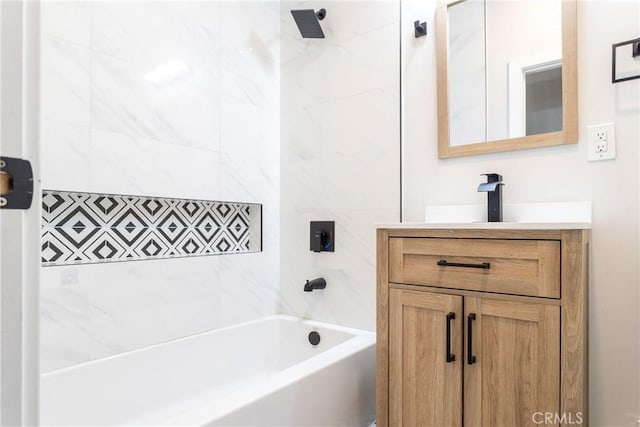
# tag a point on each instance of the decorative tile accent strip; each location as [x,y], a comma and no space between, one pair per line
[85,228]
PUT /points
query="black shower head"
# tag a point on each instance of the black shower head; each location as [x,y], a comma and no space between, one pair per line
[308,23]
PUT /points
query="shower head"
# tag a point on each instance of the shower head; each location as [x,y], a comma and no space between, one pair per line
[308,22]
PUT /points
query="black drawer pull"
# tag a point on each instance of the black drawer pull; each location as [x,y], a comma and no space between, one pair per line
[471,359]
[445,263]
[450,356]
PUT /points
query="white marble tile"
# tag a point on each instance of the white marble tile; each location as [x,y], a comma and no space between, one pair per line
[121,164]
[350,270]
[305,199]
[186,172]
[302,185]
[330,73]
[137,304]
[356,56]
[64,318]
[249,286]
[65,81]
[354,238]
[153,135]
[340,182]
[348,299]
[65,150]
[375,184]
[250,52]
[340,155]
[249,131]
[376,50]
[361,126]
[68,20]
[152,33]
[248,180]
[126,165]
[125,101]
[295,95]
[300,142]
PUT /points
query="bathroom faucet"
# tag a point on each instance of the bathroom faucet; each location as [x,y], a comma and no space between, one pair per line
[493,188]
[318,283]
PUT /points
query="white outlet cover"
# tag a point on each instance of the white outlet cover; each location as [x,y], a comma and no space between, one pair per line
[593,154]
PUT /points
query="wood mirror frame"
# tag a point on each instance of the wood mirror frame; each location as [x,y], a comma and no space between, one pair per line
[569,132]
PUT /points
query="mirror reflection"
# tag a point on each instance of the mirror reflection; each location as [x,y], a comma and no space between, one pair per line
[504,69]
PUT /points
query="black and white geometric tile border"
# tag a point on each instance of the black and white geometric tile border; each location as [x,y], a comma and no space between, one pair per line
[85,228]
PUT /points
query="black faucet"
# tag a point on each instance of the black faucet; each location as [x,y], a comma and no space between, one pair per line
[318,283]
[493,188]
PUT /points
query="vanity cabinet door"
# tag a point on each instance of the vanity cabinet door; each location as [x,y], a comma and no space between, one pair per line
[512,362]
[425,359]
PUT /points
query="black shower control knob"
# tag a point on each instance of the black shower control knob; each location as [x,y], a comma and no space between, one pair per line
[322,236]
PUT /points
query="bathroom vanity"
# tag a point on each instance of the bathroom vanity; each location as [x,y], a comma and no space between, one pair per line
[482,324]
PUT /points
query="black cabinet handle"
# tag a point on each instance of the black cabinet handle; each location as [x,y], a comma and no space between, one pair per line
[445,263]
[450,356]
[471,359]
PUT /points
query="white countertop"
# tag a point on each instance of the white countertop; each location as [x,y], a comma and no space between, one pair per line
[518,216]
[488,226]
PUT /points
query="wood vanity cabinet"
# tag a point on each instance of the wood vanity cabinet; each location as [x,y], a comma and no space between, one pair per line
[481,327]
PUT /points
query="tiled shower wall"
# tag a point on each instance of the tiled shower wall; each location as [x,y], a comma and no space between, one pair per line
[340,154]
[163,99]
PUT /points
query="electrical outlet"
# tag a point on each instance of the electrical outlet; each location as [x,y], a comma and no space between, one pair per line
[602,142]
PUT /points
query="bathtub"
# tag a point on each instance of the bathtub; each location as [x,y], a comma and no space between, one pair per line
[259,373]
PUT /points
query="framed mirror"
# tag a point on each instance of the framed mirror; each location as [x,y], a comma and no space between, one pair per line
[507,75]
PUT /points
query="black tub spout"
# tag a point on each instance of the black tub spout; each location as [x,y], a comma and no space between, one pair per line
[318,283]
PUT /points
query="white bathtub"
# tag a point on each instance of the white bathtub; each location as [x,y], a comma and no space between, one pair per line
[260,373]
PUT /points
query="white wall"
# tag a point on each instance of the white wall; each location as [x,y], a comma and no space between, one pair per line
[340,154]
[555,174]
[212,133]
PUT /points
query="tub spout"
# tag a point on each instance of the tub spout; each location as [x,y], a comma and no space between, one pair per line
[318,283]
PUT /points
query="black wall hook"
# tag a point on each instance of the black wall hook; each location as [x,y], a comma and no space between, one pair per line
[635,53]
[420,28]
